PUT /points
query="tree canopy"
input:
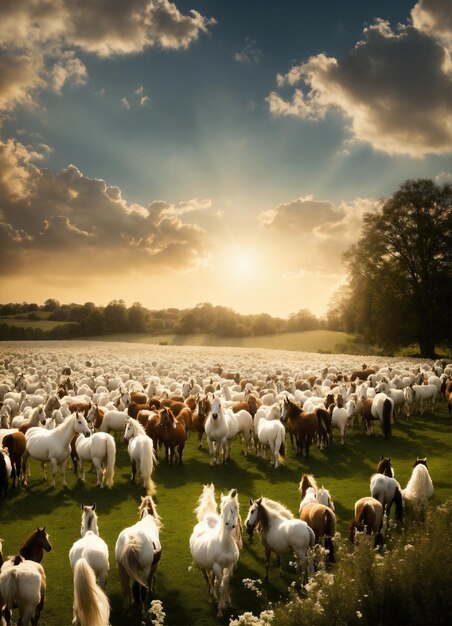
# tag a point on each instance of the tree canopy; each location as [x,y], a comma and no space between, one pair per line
[400,270]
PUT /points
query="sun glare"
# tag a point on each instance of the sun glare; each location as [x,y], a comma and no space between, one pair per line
[244,263]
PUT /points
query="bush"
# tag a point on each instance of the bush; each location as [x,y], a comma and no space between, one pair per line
[408,583]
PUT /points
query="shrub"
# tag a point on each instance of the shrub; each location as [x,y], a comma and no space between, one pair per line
[408,583]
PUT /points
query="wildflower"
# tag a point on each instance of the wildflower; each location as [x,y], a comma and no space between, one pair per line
[156,610]
[359,614]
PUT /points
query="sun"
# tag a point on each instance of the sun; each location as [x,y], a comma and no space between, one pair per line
[244,263]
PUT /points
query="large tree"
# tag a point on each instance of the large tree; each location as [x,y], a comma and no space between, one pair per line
[401,267]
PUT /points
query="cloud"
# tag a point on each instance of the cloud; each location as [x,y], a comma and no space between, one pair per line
[249,53]
[19,78]
[68,69]
[299,216]
[434,17]
[309,235]
[42,39]
[394,86]
[67,222]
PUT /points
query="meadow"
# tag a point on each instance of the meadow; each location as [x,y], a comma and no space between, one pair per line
[344,470]
[306,341]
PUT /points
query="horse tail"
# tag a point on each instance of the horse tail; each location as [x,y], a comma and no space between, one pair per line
[386,419]
[9,588]
[130,562]
[147,462]
[111,458]
[365,518]
[311,537]
[398,500]
[91,605]
[280,448]
[330,529]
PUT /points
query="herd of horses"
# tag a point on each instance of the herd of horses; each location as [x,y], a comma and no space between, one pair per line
[70,423]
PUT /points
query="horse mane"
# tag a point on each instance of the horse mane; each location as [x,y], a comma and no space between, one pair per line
[206,502]
[137,427]
[307,480]
[148,505]
[277,507]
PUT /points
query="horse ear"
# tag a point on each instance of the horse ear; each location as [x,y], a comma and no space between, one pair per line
[233,493]
[251,502]
[82,507]
[381,458]
[94,507]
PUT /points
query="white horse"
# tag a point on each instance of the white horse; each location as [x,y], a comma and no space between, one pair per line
[425,397]
[310,496]
[99,448]
[113,420]
[213,542]
[23,585]
[387,490]
[217,430]
[410,401]
[420,486]
[340,419]
[270,432]
[280,532]
[238,423]
[89,561]
[53,445]
[138,550]
[36,417]
[142,453]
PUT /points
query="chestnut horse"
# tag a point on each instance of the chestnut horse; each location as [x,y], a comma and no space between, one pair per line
[322,520]
[368,518]
[303,425]
[173,434]
[33,547]
[16,444]
[199,417]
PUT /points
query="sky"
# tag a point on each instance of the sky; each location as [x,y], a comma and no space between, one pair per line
[208,150]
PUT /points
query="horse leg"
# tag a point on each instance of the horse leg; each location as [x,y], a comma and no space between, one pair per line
[218,572]
[199,439]
[134,470]
[53,463]
[81,470]
[268,553]
[99,472]
[25,464]
[63,472]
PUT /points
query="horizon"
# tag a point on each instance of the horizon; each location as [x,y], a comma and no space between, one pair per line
[180,153]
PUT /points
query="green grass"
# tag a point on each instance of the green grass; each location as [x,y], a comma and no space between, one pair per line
[308,341]
[344,471]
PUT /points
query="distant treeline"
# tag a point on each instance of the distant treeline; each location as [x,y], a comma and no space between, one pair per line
[84,320]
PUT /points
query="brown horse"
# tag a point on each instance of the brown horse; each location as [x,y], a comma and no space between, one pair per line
[153,430]
[16,444]
[362,374]
[303,425]
[33,547]
[385,467]
[250,404]
[199,417]
[325,428]
[173,434]
[322,520]
[368,519]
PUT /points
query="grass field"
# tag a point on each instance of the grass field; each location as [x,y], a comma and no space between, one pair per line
[344,471]
[42,324]
[308,341]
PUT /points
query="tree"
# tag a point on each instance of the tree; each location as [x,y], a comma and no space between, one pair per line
[400,269]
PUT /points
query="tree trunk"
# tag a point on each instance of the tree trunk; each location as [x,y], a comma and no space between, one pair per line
[427,348]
